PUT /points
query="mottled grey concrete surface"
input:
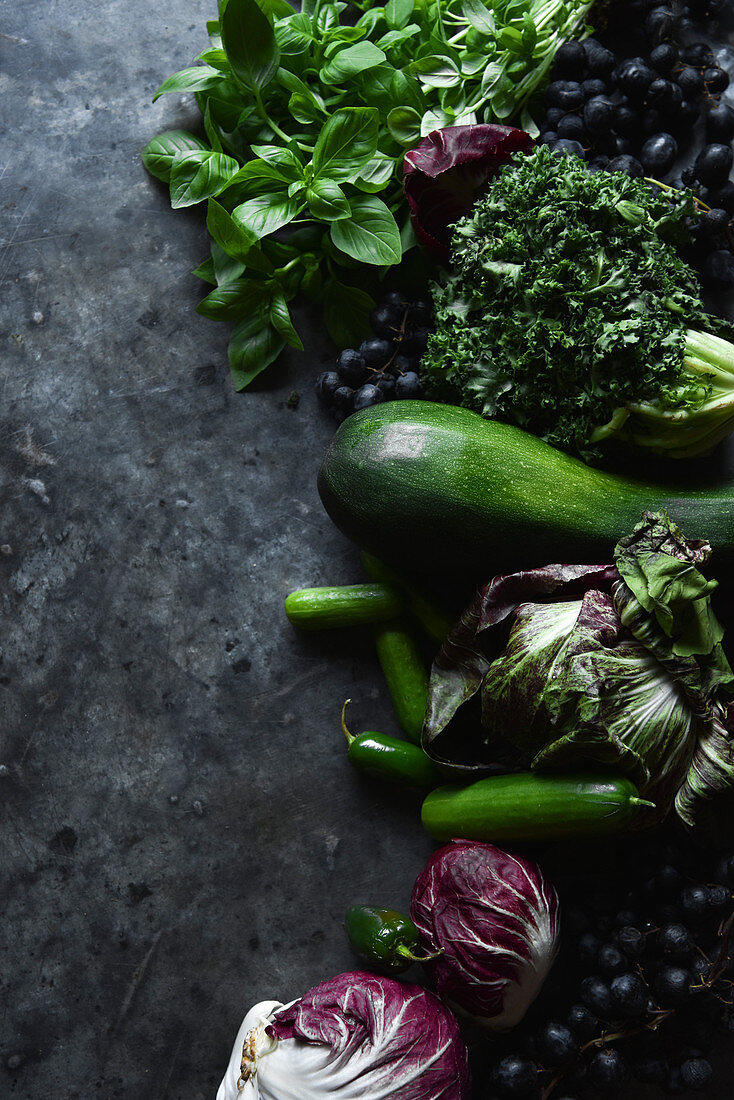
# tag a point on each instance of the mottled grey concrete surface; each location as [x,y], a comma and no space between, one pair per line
[181,830]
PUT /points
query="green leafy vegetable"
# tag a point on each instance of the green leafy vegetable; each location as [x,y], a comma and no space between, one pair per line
[307,116]
[619,667]
[571,314]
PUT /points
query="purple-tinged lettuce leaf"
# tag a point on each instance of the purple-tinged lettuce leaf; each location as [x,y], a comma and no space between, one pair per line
[618,667]
[496,919]
[357,1036]
[447,171]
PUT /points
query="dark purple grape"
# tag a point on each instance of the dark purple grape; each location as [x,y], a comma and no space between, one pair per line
[386,385]
[693,902]
[570,61]
[634,77]
[659,24]
[696,1073]
[651,122]
[663,58]
[588,948]
[674,942]
[716,80]
[552,117]
[719,896]
[664,95]
[598,114]
[367,395]
[599,59]
[343,398]
[376,351]
[599,163]
[625,120]
[631,941]
[667,880]
[564,93]
[420,314]
[690,82]
[697,54]
[672,985]
[516,1076]
[400,365]
[610,959]
[629,995]
[408,386]
[571,126]
[351,367]
[583,1023]
[567,147]
[714,223]
[556,1045]
[722,196]
[608,1071]
[326,383]
[548,137]
[386,320]
[627,164]
[593,87]
[395,299]
[720,122]
[596,996]
[658,154]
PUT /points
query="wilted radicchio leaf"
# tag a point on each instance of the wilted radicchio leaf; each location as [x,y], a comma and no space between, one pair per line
[619,666]
[496,919]
[357,1036]
[447,171]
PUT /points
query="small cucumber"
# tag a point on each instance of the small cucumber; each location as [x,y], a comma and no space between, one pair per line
[529,806]
[343,605]
[406,674]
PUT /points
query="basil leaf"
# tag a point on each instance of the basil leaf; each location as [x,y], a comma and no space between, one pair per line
[398,12]
[235,300]
[288,163]
[346,143]
[351,62]
[205,271]
[250,44]
[376,174]
[370,235]
[437,71]
[304,109]
[193,79]
[280,9]
[327,201]
[263,214]
[346,313]
[217,58]
[405,125]
[226,268]
[250,352]
[160,153]
[199,175]
[280,319]
[294,35]
[212,132]
[230,236]
[480,17]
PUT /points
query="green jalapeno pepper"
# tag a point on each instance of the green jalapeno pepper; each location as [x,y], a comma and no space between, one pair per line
[386,757]
[383,938]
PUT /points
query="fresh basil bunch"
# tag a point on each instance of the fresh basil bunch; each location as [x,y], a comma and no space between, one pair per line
[307,117]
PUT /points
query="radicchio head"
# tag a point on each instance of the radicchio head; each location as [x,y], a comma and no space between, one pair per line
[496,919]
[356,1036]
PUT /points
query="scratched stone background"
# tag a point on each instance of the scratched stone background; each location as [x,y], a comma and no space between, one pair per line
[181,831]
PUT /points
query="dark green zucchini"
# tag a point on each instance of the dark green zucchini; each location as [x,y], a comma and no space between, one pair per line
[529,806]
[450,493]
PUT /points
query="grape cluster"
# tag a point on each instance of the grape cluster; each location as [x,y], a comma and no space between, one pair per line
[384,366]
[642,985]
[642,114]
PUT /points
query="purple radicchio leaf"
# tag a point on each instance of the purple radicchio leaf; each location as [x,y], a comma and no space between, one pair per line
[477,639]
[496,919]
[365,1036]
[446,172]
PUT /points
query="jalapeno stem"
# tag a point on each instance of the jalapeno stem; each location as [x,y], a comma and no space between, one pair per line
[349,736]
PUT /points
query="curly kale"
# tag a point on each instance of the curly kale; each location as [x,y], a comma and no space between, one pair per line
[570,313]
